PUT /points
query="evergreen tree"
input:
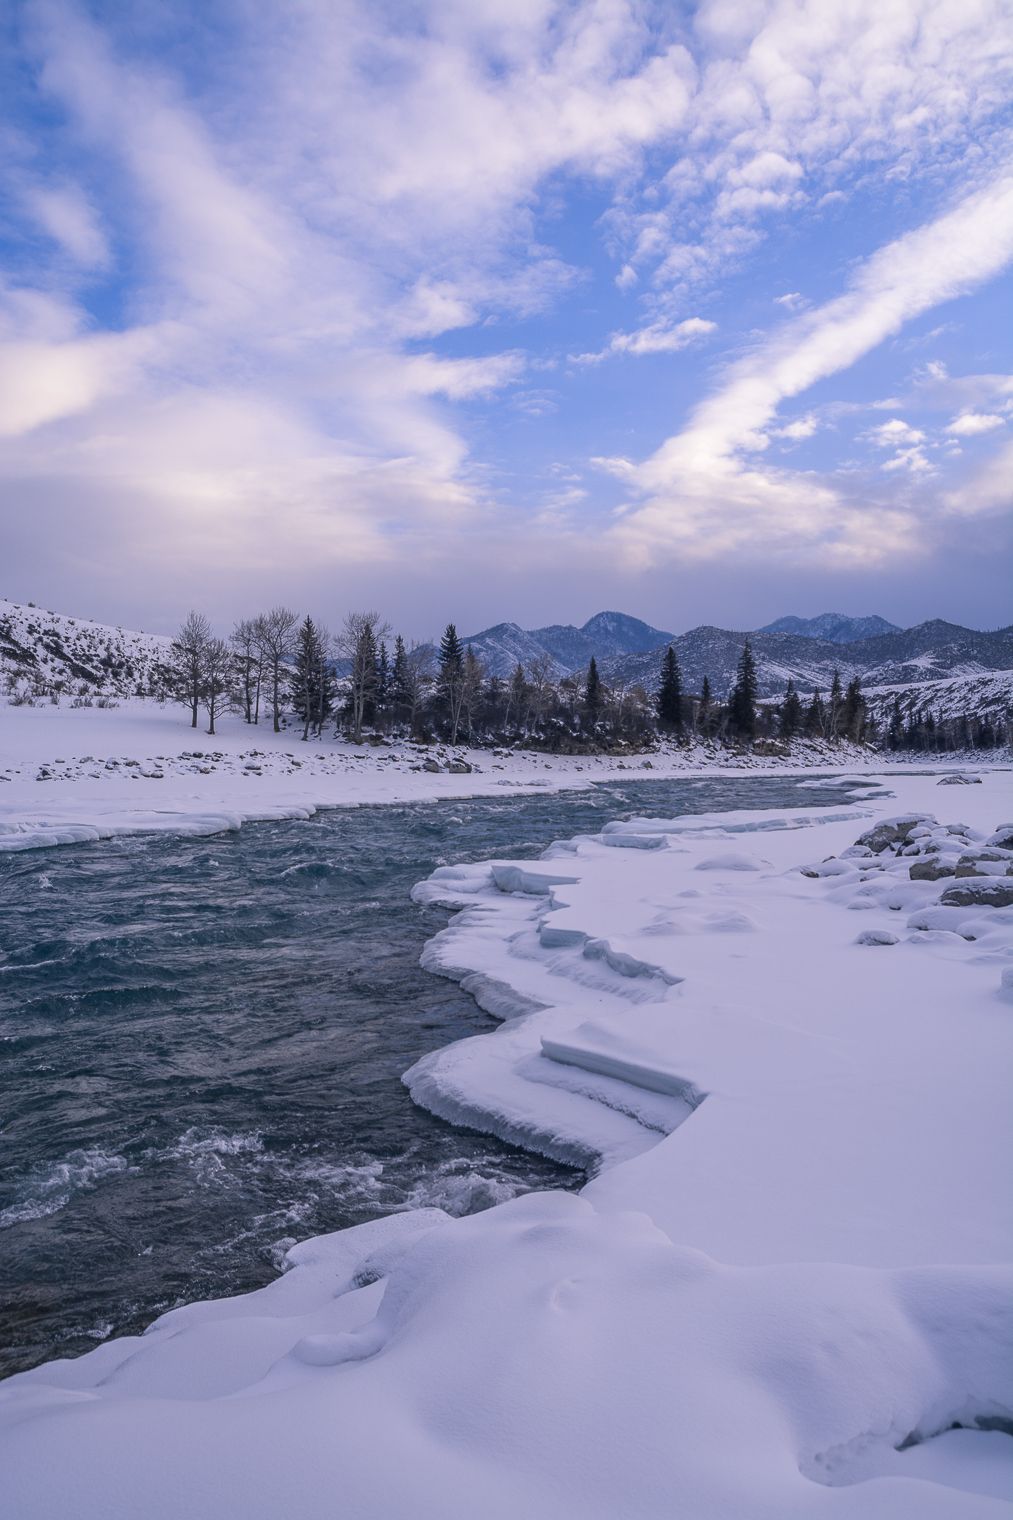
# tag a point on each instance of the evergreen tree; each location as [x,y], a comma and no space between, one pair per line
[743,700]
[853,718]
[814,717]
[791,712]
[312,679]
[895,732]
[382,678]
[451,677]
[593,696]
[835,706]
[517,698]
[358,643]
[668,703]
[705,714]
[400,680]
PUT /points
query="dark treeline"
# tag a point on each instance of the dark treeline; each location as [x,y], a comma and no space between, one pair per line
[363,682]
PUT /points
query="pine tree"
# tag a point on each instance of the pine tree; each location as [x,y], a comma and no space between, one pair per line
[451,678]
[814,717]
[791,712]
[312,680]
[835,705]
[358,643]
[853,718]
[593,693]
[400,684]
[517,698]
[382,678]
[743,700]
[668,703]
[705,713]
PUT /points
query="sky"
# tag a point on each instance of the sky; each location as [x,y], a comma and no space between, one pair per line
[495,310]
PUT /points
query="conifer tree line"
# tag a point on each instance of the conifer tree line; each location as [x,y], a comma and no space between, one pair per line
[364,682]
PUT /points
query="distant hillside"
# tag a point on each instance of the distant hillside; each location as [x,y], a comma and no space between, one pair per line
[77,656]
[606,635]
[933,651]
[833,627]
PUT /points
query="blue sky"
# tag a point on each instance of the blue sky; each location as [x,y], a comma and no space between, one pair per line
[493,310]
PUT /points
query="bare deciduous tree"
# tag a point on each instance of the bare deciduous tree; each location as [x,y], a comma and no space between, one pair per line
[276,634]
[217,670]
[187,661]
[246,643]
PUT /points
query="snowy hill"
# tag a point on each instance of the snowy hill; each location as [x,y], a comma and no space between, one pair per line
[606,635]
[932,653]
[47,650]
[835,627]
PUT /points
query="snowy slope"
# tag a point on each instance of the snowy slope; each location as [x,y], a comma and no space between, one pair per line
[74,656]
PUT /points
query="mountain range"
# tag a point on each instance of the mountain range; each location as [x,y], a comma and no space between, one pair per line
[952,668]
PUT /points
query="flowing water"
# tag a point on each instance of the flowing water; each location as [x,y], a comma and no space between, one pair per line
[201,1044]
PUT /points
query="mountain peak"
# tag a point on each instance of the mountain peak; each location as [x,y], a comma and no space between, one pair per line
[833,627]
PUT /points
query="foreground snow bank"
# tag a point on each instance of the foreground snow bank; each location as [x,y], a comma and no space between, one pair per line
[789,1060]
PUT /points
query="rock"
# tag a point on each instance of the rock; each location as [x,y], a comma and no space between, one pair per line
[459,767]
[986,863]
[774,747]
[981,892]
[431,765]
[959,781]
[1003,837]
[929,868]
[876,937]
[892,831]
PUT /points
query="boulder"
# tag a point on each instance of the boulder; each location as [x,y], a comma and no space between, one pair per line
[981,892]
[959,781]
[892,831]
[431,765]
[459,767]
[876,937]
[929,868]
[985,863]
[1003,837]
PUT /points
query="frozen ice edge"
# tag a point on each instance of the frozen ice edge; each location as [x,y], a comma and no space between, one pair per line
[521,1083]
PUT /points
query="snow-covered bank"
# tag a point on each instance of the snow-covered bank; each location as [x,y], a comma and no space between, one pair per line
[778,1295]
[69,775]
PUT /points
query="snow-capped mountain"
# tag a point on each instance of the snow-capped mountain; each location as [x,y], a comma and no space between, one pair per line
[606,635]
[931,652]
[834,627]
[77,656]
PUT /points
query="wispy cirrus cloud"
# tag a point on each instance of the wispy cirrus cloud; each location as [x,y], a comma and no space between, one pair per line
[704,492]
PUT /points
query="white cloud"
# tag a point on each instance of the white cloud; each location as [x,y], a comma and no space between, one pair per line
[888,434]
[66,215]
[657,338]
[792,299]
[969,424]
[800,428]
[913,460]
[701,497]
